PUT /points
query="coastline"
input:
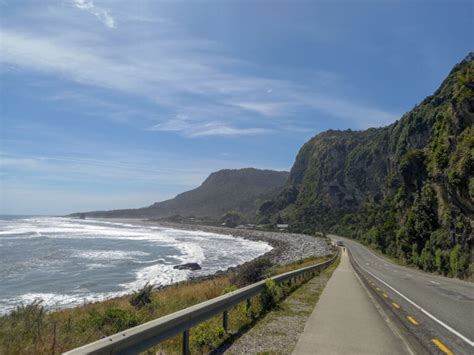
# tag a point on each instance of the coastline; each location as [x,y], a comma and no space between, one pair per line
[287,247]
[89,321]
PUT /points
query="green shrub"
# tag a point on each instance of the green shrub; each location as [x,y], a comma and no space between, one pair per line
[27,323]
[229,289]
[232,219]
[439,261]
[113,320]
[142,297]
[270,295]
[471,188]
[454,264]
[426,261]
[252,272]
[207,336]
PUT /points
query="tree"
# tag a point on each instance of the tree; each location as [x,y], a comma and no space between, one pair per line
[232,219]
[439,262]
[427,258]
[454,263]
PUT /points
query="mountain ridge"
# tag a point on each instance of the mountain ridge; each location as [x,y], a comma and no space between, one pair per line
[406,188]
[228,190]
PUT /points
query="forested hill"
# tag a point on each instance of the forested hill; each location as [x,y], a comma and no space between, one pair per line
[239,192]
[406,189]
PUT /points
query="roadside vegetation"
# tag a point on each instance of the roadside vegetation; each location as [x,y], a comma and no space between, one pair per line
[279,330]
[30,329]
[406,189]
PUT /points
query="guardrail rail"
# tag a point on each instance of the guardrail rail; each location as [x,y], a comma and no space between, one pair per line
[149,334]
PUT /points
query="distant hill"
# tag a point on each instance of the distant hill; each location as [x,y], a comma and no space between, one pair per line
[241,191]
[406,189]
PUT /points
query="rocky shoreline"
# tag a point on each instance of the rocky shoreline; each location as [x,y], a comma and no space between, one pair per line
[287,247]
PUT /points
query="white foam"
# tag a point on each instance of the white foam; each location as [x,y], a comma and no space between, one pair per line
[213,251]
[56,300]
[157,275]
[107,254]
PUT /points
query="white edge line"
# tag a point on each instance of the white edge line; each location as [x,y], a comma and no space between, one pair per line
[455,332]
[383,314]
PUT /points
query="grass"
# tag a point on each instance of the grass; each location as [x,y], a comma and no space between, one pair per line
[279,330]
[30,329]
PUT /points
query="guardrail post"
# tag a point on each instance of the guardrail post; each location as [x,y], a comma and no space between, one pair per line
[155,331]
[186,342]
[225,321]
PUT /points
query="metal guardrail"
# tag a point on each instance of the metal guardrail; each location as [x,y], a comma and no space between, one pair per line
[147,335]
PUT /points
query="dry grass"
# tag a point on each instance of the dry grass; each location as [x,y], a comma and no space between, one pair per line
[279,331]
[31,330]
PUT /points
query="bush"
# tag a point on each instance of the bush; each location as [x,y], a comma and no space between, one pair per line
[252,272]
[28,323]
[142,297]
[207,336]
[439,261]
[229,289]
[270,295]
[454,264]
[113,320]
[231,219]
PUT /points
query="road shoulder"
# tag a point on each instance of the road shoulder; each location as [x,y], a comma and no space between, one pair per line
[279,330]
[346,321]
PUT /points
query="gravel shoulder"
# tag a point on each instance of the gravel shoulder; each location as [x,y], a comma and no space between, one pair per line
[279,331]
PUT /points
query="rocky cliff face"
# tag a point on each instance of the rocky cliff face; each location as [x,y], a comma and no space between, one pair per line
[238,191]
[407,188]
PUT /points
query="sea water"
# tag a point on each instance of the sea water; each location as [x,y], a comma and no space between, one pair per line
[66,262]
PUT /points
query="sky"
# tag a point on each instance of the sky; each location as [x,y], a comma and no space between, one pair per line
[119,103]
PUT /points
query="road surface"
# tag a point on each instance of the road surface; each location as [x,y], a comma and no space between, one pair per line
[346,320]
[439,311]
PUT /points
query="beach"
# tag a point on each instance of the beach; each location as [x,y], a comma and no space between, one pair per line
[67,262]
[287,247]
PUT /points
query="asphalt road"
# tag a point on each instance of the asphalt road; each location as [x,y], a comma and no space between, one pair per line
[439,311]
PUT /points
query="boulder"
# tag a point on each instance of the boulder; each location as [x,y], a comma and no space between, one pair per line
[188,266]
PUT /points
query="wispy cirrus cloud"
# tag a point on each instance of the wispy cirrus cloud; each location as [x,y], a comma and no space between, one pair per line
[188,128]
[178,74]
[267,109]
[101,14]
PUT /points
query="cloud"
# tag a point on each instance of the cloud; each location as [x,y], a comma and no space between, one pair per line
[267,109]
[27,199]
[362,116]
[103,178]
[101,14]
[178,73]
[188,128]
[107,167]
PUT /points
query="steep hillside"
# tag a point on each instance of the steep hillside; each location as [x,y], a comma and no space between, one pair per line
[407,189]
[224,191]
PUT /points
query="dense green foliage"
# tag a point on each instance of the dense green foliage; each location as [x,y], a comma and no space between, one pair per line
[406,189]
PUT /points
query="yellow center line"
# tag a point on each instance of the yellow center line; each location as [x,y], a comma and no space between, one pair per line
[385,295]
[412,320]
[442,347]
[395,305]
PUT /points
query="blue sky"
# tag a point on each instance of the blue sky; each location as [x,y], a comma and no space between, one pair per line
[108,104]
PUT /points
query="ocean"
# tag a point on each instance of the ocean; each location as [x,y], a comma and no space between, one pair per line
[66,262]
